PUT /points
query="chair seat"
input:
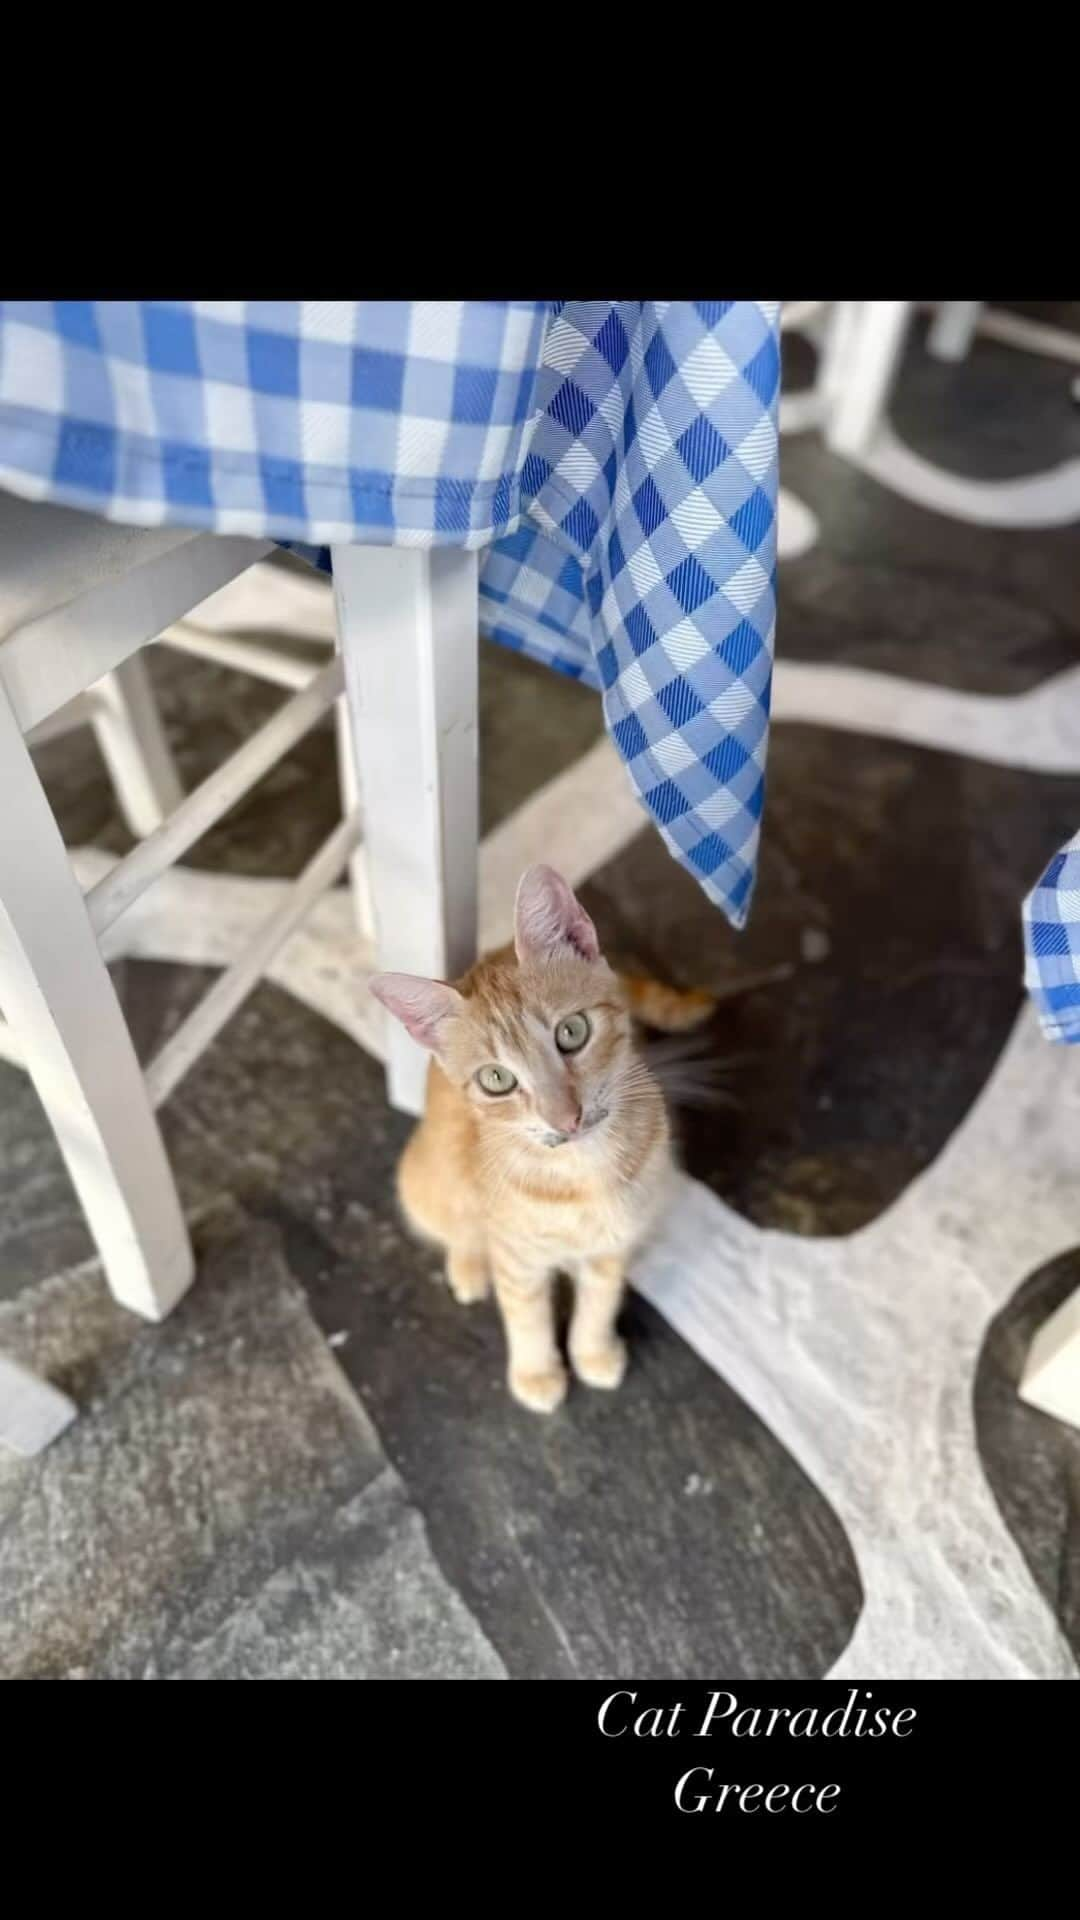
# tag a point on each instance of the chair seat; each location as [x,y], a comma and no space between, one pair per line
[50,555]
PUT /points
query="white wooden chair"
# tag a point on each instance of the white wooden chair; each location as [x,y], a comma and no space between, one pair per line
[859,346]
[78,598]
[861,343]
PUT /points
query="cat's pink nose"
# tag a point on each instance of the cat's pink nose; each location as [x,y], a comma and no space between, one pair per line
[572,1122]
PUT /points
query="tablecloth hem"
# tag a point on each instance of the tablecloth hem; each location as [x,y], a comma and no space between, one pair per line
[129,492]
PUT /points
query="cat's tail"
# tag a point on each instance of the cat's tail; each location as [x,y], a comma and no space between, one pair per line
[667,1009]
[682,1009]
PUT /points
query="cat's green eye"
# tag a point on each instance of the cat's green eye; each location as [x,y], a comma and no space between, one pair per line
[572,1033]
[496,1080]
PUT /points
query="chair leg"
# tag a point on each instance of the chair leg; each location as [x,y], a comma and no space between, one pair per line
[359,881]
[56,992]
[408,627]
[840,332]
[134,747]
[952,329]
[867,374]
[32,1412]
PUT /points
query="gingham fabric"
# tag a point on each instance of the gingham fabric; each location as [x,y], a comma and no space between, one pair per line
[1052,943]
[617,461]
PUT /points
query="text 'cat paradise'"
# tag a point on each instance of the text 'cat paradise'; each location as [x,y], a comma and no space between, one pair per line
[698,1791]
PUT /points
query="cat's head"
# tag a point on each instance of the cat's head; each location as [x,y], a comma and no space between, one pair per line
[544,1045]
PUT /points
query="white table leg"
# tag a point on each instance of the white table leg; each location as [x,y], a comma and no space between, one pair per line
[32,1412]
[1051,1377]
[866,376]
[359,883]
[134,747]
[408,627]
[56,992]
[952,329]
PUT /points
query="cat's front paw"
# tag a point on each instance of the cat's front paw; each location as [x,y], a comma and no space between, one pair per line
[467,1277]
[603,1367]
[540,1392]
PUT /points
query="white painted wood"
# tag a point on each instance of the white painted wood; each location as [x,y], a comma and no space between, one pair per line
[797,528]
[269,600]
[799,412]
[796,315]
[255,622]
[952,329]
[132,739]
[79,712]
[816,320]
[32,1413]
[865,377]
[579,821]
[207,919]
[842,325]
[213,797]
[206,1020]
[1051,1377]
[123,712]
[276,664]
[50,554]
[10,1049]
[57,995]
[862,348]
[359,877]
[1031,336]
[409,625]
[47,662]
[253,625]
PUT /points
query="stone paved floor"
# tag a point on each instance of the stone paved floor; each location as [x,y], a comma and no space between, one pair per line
[242,1498]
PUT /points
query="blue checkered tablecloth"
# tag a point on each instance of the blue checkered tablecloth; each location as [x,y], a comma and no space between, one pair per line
[1052,943]
[616,460]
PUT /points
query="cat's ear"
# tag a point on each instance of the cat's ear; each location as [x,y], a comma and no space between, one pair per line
[422,1006]
[547,916]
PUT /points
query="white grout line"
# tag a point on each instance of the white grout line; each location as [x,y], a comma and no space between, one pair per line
[1038,730]
[1049,499]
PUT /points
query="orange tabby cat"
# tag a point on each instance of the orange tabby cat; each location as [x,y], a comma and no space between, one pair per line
[545,1144]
